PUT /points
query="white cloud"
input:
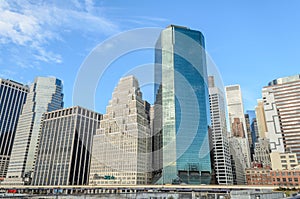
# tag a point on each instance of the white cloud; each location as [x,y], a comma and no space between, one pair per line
[34,25]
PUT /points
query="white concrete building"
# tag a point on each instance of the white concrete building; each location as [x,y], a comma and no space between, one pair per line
[218,139]
[283,161]
[122,145]
[45,95]
[237,161]
[237,120]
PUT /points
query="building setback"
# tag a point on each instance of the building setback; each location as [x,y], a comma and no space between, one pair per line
[64,153]
[282,111]
[45,95]
[219,142]
[12,98]
[122,144]
[181,108]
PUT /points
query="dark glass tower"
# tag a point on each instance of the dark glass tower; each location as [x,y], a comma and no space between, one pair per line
[12,98]
[181,118]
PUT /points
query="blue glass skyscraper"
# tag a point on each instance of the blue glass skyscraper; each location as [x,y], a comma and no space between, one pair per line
[181,112]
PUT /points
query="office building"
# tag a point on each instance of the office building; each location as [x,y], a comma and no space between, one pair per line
[282,110]
[182,131]
[283,161]
[121,151]
[64,153]
[261,119]
[237,161]
[286,178]
[221,162]
[12,98]
[237,120]
[235,106]
[262,152]
[45,95]
[258,175]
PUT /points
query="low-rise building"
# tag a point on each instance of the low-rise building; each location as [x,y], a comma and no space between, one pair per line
[286,178]
[258,176]
[283,161]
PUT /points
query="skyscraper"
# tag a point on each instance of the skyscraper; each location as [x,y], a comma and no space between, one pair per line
[219,142]
[261,119]
[235,106]
[181,108]
[237,161]
[64,153]
[121,151]
[12,98]
[45,95]
[282,111]
[237,119]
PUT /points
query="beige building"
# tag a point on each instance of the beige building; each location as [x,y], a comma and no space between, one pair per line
[121,151]
[283,161]
[261,119]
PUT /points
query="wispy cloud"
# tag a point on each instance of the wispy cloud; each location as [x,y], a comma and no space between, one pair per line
[34,25]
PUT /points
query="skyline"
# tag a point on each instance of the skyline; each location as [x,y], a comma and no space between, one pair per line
[53,39]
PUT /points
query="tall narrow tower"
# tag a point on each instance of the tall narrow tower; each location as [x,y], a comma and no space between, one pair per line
[237,119]
[45,95]
[12,98]
[181,108]
[219,141]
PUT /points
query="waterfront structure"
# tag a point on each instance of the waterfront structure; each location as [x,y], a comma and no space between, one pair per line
[221,162]
[282,161]
[121,151]
[282,110]
[12,98]
[65,147]
[237,119]
[237,161]
[45,95]
[182,108]
[262,152]
[261,119]
[259,176]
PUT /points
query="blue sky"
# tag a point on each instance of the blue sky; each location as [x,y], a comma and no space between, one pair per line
[251,42]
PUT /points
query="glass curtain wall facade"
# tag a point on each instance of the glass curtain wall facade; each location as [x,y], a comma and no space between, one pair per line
[12,98]
[45,95]
[181,108]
